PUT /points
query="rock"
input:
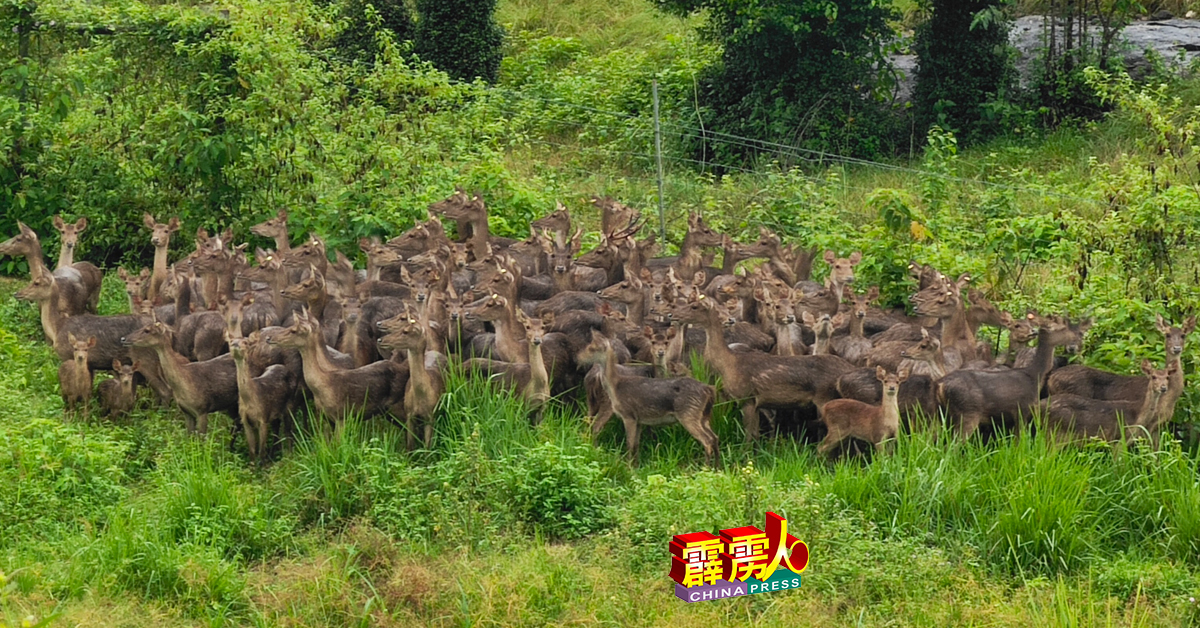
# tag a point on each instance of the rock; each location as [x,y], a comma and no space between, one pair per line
[1175,40]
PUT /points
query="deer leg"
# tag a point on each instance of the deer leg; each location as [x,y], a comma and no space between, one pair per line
[968,424]
[693,422]
[429,433]
[189,421]
[832,438]
[202,425]
[631,440]
[750,420]
[410,429]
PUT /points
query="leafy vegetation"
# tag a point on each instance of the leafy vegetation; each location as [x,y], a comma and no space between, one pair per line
[225,120]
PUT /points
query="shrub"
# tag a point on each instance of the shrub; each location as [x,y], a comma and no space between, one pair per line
[558,490]
[799,73]
[367,20]
[964,63]
[460,37]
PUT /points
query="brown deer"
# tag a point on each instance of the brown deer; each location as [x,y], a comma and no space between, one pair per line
[1073,416]
[200,388]
[262,400]
[69,240]
[160,238]
[841,272]
[530,380]
[854,346]
[761,380]
[822,327]
[79,283]
[339,392]
[135,285]
[642,401]
[425,385]
[118,394]
[74,376]
[689,261]
[1093,383]
[276,229]
[972,397]
[874,424]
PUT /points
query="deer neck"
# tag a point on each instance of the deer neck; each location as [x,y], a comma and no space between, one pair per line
[891,408]
[937,364]
[610,376]
[563,282]
[539,377]
[66,255]
[37,262]
[821,345]
[51,315]
[1043,359]
[716,352]
[211,287]
[781,268]
[316,302]
[689,258]
[1149,415]
[635,311]
[159,273]
[1174,390]
[314,361]
[245,381]
[419,379]
[785,338]
[173,365]
[956,332]
[183,300]
[349,338]
[856,326]
[282,244]
[508,340]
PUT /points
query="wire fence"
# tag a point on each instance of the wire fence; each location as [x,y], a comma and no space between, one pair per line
[766,153]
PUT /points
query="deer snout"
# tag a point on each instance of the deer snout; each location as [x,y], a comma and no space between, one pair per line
[560,269]
[124,341]
[420,298]
[904,354]
[789,319]
[1176,349]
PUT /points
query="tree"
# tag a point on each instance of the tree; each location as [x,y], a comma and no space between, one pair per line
[801,73]
[964,63]
[364,19]
[460,37]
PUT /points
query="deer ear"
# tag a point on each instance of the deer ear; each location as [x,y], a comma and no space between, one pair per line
[1084,325]
[855,258]
[122,274]
[80,225]
[672,332]
[71,338]
[173,225]
[148,220]
[924,333]
[1147,368]
[880,374]
[872,294]
[830,256]
[58,223]
[91,342]
[1006,319]
[808,318]
[1161,324]
[904,373]
[116,364]
[1189,325]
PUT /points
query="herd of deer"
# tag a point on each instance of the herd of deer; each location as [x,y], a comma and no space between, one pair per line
[262,343]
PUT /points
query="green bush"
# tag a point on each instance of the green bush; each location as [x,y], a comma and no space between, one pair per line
[460,37]
[365,21]
[800,73]
[560,491]
[964,62]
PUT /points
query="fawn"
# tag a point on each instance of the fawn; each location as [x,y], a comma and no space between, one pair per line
[642,401]
[874,424]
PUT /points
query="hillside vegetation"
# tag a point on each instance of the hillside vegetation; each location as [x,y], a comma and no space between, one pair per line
[224,121]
